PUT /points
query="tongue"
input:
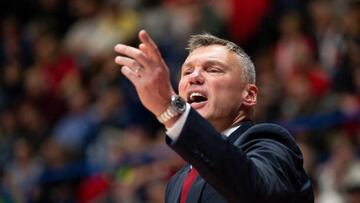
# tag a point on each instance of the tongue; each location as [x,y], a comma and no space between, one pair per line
[198,103]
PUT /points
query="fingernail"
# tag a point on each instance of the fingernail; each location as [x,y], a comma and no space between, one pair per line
[117,47]
[117,59]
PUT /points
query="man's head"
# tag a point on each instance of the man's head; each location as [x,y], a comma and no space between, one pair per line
[203,40]
[218,80]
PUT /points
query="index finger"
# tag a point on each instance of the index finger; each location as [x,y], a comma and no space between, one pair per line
[150,44]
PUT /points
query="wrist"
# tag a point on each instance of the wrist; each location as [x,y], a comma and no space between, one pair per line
[168,124]
[174,109]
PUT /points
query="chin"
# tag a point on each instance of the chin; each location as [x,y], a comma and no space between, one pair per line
[204,114]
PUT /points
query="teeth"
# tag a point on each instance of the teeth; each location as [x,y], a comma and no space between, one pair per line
[196,94]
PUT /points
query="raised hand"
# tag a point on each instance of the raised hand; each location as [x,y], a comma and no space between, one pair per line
[146,69]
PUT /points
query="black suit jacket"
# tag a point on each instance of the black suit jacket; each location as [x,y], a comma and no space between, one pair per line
[256,163]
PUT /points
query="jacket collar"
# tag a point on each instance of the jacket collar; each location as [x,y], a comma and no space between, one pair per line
[243,127]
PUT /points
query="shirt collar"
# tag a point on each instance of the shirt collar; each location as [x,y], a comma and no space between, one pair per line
[228,131]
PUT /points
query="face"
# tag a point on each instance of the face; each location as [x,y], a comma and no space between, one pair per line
[212,82]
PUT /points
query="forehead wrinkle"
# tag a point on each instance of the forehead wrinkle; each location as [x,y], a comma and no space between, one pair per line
[206,62]
[226,58]
[208,59]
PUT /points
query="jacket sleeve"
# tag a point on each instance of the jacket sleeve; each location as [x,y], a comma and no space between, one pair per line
[264,164]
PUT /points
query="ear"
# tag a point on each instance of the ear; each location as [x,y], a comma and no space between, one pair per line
[250,95]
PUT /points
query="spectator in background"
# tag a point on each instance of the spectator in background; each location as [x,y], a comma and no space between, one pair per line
[11,89]
[8,135]
[94,33]
[292,48]
[305,82]
[249,15]
[56,68]
[328,36]
[270,89]
[36,92]
[22,172]
[352,184]
[76,128]
[14,45]
[32,124]
[331,175]
[346,76]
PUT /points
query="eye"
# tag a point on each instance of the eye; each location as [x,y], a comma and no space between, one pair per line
[187,71]
[214,69]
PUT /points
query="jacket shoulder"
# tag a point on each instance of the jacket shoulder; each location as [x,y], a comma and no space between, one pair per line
[268,132]
[269,128]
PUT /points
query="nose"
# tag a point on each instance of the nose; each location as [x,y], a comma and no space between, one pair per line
[196,77]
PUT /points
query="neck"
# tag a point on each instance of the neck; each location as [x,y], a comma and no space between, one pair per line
[223,125]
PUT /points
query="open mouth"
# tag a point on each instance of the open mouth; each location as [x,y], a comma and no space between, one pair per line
[197,99]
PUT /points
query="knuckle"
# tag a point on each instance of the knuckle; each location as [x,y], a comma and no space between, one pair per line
[157,50]
[139,55]
[143,57]
[133,63]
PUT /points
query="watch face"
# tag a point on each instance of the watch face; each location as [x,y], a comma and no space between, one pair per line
[178,103]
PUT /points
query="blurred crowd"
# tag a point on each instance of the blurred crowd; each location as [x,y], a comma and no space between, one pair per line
[73,130]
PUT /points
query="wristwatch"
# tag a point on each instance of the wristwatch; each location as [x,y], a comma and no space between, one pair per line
[177,106]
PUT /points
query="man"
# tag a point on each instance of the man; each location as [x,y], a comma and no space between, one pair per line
[230,159]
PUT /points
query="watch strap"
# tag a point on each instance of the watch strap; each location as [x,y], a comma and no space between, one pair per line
[167,115]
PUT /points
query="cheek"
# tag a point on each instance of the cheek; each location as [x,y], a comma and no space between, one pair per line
[218,88]
[226,92]
[218,94]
